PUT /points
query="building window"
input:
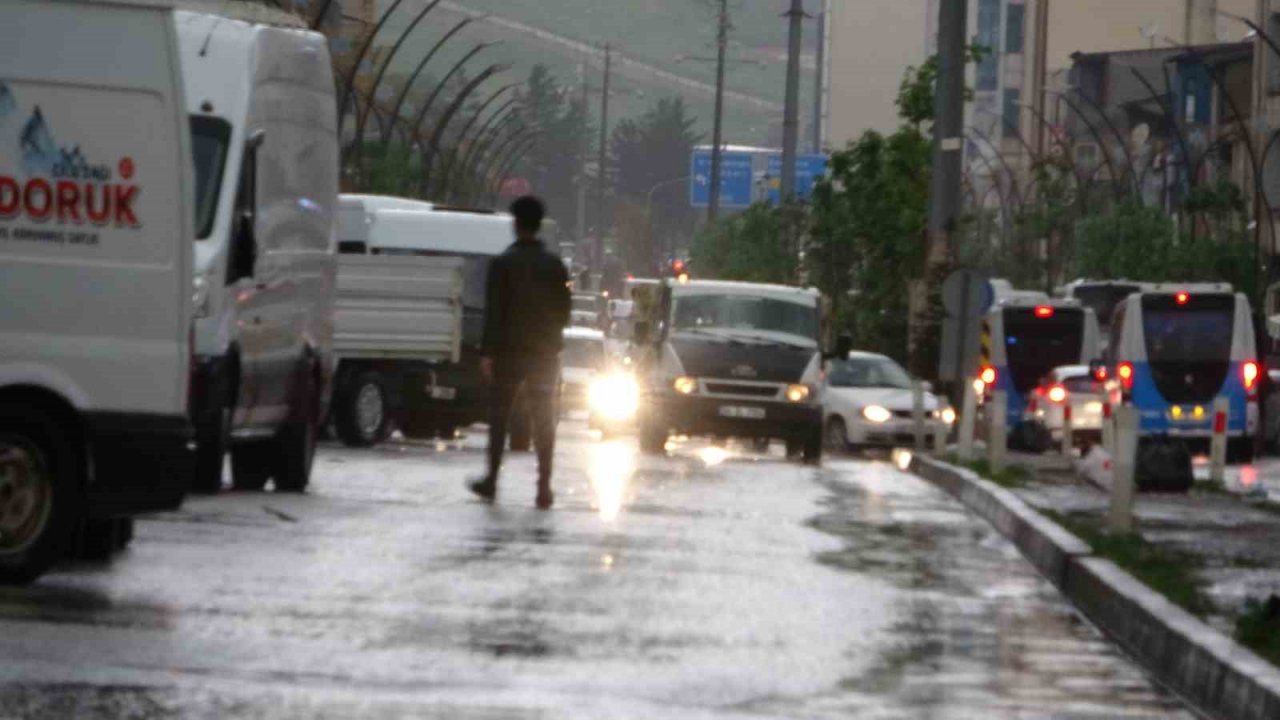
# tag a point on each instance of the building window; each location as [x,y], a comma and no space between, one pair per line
[1012,113]
[1015,25]
[989,38]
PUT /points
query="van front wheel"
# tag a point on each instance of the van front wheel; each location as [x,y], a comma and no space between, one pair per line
[39,494]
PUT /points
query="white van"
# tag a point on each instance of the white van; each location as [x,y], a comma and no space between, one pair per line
[457,396]
[95,276]
[264,135]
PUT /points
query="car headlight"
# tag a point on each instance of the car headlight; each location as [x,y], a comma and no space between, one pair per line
[877,414]
[949,416]
[685,385]
[615,396]
[797,393]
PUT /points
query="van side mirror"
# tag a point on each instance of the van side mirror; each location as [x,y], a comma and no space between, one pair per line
[844,346]
[244,251]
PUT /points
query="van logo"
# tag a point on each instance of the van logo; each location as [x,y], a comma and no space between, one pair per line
[743,371]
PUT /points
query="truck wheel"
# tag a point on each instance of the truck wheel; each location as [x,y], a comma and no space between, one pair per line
[211,448]
[251,465]
[653,438]
[361,411]
[39,494]
[812,448]
[296,443]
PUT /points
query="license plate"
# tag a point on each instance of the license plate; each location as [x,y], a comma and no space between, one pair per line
[443,393]
[742,412]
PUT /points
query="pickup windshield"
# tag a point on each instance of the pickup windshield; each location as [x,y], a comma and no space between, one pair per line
[745,312]
[209,139]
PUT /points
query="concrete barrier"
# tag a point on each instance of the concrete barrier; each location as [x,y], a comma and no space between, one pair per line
[1211,671]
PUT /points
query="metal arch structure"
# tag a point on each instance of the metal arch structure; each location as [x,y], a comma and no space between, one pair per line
[426,106]
[422,64]
[1102,113]
[437,134]
[348,80]
[499,154]
[1067,152]
[1102,145]
[386,64]
[995,180]
[1013,178]
[455,151]
[486,135]
[1170,115]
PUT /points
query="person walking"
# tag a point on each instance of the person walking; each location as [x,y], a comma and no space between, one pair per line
[526,311]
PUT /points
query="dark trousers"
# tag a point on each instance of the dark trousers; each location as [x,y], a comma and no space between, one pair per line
[539,378]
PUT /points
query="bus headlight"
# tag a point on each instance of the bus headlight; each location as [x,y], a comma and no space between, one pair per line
[615,396]
[685,385]
[797,393]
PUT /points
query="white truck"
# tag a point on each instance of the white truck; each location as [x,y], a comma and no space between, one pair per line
[397,318]
[264,129]
[454,395]
[96,245]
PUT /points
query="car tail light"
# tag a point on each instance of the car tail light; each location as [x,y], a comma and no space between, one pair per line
[1044,312]
[1182,298]
[1250,371]
[1057,394]
[1125,372]
[1100,374]
[988,376]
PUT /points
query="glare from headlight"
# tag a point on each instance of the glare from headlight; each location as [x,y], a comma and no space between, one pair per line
[949,416]
[797,393]
[615,396]
[685,385]
[877,414]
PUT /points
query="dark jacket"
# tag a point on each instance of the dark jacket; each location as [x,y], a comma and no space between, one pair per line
[526,303]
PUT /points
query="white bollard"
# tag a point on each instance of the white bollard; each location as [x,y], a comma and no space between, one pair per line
[1218,443]
[917,414]
[1068,441]
[968,408]
[941,432]
[998,433]
[1123,462]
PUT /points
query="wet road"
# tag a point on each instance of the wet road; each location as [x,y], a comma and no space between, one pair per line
[706,584]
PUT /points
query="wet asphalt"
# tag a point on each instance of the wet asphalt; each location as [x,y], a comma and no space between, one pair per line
[711,583]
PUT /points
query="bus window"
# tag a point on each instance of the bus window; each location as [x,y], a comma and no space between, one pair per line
[1035,346]
[1188,345]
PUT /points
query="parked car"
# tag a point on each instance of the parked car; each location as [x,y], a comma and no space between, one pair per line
[265,144]
[1074,386]
[96,243]
[868,401]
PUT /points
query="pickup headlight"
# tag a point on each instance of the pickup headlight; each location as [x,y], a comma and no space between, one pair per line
[797,393]
[877,414]
[685,385]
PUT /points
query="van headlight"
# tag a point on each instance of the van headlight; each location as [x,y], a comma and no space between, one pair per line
[615,396]
[685,385]
[200,296]
[877,414]
[797,393]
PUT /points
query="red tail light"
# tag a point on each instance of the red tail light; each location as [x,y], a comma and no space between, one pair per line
[1125,372]
[1100,374]
[1057,394]
[1250,371]
[1182,298]
[988,375]
[1044,311]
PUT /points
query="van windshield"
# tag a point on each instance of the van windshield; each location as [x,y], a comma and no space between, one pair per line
[745,313]
[1035,345]
[209,140]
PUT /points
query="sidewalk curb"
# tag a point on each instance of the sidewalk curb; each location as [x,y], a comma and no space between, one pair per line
[1213,672]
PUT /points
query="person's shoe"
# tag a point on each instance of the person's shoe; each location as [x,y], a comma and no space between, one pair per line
[485,488]
[545,498]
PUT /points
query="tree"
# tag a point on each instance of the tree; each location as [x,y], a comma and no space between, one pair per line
[748,247]
[553,165]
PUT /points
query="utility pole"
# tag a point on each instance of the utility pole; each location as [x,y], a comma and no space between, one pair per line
[1039,75]
[583,149]
[791,113]
[948,157]
[597,260]
[717,133]
[819,85]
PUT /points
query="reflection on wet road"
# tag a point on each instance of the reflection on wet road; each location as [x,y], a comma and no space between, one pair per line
[711,583]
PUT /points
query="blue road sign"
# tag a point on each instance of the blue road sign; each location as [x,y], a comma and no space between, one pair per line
[808,169]
[735,179]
